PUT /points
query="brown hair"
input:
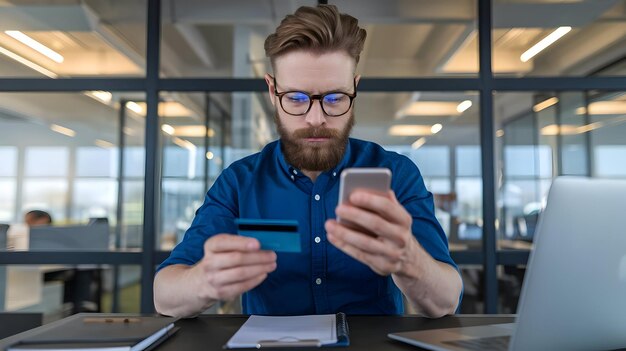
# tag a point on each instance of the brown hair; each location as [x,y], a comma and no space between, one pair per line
[319,29]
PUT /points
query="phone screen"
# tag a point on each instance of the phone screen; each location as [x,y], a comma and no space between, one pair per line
[372,179]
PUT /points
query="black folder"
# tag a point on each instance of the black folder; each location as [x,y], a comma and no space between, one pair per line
[98,332]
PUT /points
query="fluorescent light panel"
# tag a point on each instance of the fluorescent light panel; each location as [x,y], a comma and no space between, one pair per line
[62,130]
[133,106]
[436,128]
[604,108]
[568,129]
[186,144]
[35,45]
[463,106]
[103,96]
[103,144]
[168,129]
[545,104]
[544,43]
[430,108]
[192,131]
[418,143]
[410,130]
[166,109]
[27,63]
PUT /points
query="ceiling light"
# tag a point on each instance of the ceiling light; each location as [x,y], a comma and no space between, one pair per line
[35,45]
[418,143]
[589,127]
[436,128]
[554,129]
[429,108]
[544,43]
[100,95]
[464,106]
[545,104]
[133,106]
[209,155]
[103,144]
[174,109]
[184,144]
[62,130]
[129,131]
[193,131]
[27,63]
[604,108]
[499,133]
[568,129]
[168,129]
[166,109]
[410,130]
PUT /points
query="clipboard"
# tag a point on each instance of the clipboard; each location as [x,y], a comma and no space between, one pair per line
[292,331]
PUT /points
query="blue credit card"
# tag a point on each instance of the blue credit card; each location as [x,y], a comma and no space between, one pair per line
[273,234]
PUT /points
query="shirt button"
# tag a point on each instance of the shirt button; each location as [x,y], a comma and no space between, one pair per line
[317,197]
[295,172]
[317,239]
[293,178]
[318,281]
[334,174]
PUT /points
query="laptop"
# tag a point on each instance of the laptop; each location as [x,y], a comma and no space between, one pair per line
[574,293]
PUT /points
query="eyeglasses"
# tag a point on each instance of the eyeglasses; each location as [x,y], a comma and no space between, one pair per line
[298,103]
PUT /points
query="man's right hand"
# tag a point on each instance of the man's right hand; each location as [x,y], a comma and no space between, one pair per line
[231,265]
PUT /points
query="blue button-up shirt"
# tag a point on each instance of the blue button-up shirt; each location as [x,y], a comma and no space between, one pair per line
[321,279]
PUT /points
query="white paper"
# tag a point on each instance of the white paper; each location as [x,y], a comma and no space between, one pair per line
[290,328]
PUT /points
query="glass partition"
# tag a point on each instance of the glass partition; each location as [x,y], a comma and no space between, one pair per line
[557,38]
[58,39]
[225,39]
[62,155]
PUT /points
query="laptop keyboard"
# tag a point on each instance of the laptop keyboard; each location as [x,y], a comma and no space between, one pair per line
[495,343]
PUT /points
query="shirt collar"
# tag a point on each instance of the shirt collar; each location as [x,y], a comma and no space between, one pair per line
[292,172]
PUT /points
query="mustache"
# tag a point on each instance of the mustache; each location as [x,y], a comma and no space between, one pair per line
[316,132]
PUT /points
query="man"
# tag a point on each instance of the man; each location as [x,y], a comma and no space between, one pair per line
[36,218]
[314,54]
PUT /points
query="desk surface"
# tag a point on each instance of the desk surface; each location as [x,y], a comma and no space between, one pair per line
[211,332]
[366,332]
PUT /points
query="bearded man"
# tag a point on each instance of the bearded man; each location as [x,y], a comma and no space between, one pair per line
[314,53]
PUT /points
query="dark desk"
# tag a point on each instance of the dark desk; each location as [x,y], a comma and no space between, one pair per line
[366,332]
[15,322]
[211,332]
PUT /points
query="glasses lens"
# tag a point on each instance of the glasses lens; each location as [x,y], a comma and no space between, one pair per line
[295,103]
[336,104]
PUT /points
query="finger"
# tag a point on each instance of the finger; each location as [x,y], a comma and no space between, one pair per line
[229,242]
[241,274]
[373,223]
[346,236]
[377,263]
[228,292]
[385,205]
[237,258]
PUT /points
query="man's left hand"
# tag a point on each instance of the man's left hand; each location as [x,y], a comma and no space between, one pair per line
[392,249]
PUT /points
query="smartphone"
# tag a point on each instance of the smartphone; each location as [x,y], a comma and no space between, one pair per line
[373,179]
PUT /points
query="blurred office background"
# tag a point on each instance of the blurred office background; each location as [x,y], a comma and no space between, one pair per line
[77,130]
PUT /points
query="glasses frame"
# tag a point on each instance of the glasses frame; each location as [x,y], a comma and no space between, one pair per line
[313,97]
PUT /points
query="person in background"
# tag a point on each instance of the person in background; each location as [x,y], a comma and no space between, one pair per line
[37,218]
